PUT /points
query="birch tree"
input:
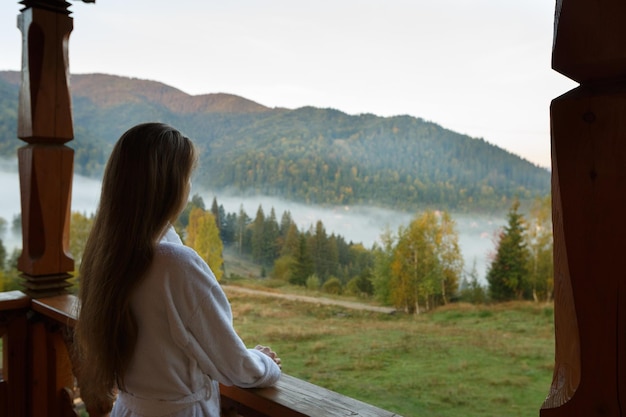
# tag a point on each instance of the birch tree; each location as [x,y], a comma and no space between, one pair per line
[204,237]
[426,264]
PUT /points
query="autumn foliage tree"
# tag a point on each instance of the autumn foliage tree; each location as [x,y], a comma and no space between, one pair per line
[80,226]
[426,264]
[204,237]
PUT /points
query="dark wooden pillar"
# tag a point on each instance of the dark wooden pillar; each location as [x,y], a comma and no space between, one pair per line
[589,211]
[45,163]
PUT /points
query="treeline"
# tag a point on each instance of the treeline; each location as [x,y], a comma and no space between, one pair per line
[311,155]
[414,269]
[280,249]
[325,156]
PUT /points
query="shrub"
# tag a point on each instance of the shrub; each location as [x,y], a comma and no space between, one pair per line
[332,286]
[360,286]
[283,267]
[313,283]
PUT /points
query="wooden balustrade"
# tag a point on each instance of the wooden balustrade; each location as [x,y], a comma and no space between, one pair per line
[38,379]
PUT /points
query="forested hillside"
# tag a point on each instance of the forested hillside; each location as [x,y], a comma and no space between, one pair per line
[312,155]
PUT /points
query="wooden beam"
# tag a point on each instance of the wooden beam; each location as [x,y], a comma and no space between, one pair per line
[589,202]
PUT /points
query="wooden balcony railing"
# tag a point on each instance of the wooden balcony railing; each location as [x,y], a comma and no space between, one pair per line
[38,380]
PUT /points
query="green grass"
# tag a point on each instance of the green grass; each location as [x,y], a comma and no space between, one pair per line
[459,360]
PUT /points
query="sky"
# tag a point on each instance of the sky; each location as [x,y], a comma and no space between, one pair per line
[478,67]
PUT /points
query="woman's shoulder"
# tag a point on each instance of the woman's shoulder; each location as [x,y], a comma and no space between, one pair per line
[175,252]
[175,256]
[178,262]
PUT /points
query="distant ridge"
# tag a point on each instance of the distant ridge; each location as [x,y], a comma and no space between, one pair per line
[113,90]
[309,155]
[11,77]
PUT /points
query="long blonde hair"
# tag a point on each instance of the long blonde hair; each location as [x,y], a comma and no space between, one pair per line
[145,186]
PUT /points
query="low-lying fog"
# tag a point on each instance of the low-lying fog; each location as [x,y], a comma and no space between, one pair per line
[356,224]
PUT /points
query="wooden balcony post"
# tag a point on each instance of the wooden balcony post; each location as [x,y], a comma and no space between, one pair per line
[589,205]
[52,371]
[45,164]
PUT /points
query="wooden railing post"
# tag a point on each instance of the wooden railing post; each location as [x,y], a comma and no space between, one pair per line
[45,164]
[52,371]
[589,206]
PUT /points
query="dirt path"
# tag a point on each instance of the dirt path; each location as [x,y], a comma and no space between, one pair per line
[313,300]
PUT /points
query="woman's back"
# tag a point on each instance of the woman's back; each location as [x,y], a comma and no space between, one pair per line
[185,342]
[154,322]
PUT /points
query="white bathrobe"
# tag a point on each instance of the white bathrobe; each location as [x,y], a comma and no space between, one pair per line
[186,343]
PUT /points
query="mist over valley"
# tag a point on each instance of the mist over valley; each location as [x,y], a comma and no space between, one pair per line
[358,224]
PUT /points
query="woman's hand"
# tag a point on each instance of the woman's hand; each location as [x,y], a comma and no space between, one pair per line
[269,352]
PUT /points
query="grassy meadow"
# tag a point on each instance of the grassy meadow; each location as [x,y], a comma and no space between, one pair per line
[457,361]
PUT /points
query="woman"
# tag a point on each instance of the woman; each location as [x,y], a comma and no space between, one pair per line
[155,326]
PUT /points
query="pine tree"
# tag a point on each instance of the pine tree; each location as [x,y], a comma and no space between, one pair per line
[508,275]
[258,236]
[183,219]
[361,260]
[215,210]
[242,237]
[302,265]
[288,244]
[271,234]
[229,230]
[332,261]
[197,201]
[320,252]
[286,221]
[292,241]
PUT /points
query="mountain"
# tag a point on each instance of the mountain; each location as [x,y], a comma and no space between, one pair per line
[312,155]
[112,91]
